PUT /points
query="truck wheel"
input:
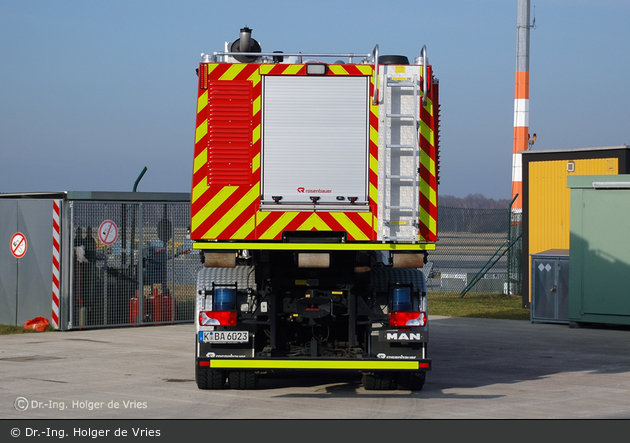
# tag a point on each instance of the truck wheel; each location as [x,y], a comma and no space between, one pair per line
[210,378]
[378,381]
[412,381]
[243,379]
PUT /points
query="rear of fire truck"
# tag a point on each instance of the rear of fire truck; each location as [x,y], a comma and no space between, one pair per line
[314,203]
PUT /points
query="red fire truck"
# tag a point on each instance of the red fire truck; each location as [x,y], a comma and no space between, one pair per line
[314,203]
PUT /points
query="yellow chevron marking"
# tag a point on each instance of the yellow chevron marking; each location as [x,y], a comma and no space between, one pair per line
[256,163]
[256,106]
[254,78]
[265,69]
[373,164]
[427,162]
[374,108]
[349,226]
[278,246]
[373,193]
[314,221]
[202,130]
[211,206]
[429,106]
[199,189]
[212,67]
[292,69]
[233,71]
[427,220]
[236,210]
[375,222]
[373,135]
[260,216]
[365,69]
[278,226]
[200,160]
[202,101]
[367,217]
[256,134]
[426,132]
[428,192]
[245,230]
[338,69]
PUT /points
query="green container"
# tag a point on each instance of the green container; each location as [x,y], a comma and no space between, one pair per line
[599,261]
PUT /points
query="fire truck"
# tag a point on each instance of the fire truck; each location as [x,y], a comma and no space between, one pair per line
[313,208]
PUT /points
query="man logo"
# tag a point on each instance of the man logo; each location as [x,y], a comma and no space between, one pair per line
[402,336]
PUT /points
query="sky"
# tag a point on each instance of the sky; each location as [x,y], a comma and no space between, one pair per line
[91,92]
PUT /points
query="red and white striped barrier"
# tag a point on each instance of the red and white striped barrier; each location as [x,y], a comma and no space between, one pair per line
[55,262]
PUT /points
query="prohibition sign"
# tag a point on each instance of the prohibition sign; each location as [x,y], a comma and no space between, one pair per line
[108,232]
[18,245]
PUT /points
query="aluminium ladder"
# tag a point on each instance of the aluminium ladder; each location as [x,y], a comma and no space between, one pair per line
[401,106]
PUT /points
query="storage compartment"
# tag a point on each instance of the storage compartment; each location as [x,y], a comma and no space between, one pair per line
[315,140]
[550,286]
[600,249]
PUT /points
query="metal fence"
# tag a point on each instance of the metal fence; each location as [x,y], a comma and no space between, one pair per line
[478,251]
[132,264]
[148,274]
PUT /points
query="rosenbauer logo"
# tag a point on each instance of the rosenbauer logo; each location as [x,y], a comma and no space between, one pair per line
[302,190]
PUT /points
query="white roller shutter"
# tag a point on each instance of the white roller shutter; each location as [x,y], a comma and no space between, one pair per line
[315,139]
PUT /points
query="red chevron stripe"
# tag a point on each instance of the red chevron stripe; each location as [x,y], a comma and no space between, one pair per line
[200,176]
[265,224]
[242,218]
[218,71]
[219,212]
[203,199]
[364,226]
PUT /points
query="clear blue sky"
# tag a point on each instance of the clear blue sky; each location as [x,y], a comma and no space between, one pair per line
[93,91]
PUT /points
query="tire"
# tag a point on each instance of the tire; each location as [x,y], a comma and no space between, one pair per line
[411,381]
[378,381]
[393,60]
[243,379]
[210,378]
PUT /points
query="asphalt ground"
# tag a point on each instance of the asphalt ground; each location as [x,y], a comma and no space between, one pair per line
[482,369]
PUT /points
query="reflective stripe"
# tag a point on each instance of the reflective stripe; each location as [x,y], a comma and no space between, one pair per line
[233,71]
[426,132]
[276,229]
[233,213]
[200,161]
[202,102]
[315,364]
[314,222]
[377,246]
[349,226]
[256,163]
[212,205]
[247,228]
[201,131]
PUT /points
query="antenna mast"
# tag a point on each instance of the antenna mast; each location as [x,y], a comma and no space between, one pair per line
[521,106]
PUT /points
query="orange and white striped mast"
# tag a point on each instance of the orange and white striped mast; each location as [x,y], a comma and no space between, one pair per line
[521,106]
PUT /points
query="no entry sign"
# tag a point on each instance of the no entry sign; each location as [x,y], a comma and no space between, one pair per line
[108,232]
[18,245]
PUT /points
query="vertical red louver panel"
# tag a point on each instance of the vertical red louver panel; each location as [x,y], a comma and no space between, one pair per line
[230,133]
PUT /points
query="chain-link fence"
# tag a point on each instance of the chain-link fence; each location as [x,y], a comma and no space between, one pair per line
[478,250]
[132,264]
[145,272]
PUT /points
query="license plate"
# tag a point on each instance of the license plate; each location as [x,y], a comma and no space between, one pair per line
[225,336]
